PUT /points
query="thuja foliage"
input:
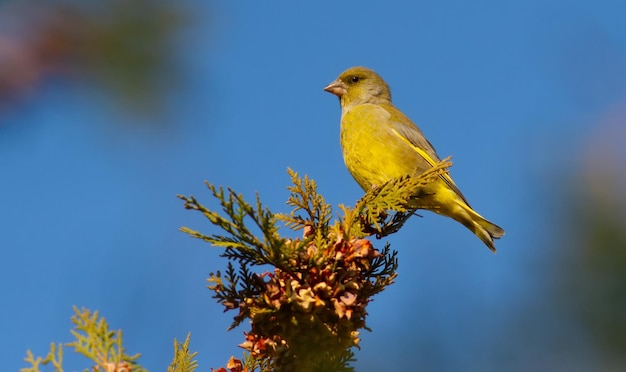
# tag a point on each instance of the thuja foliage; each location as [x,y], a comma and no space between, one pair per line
[92,339]
[103,347]
[305,297]
[183,357]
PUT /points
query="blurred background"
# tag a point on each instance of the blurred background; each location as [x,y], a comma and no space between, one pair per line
[110,109]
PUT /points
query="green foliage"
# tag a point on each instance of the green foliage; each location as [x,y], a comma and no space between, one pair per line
[94,340]
[384,209]
[256,364]
[306,313]
[305,199]
[54,357]
[183,357]
[240,243]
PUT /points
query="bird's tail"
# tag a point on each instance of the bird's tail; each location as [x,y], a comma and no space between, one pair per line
[449,202]
[483,229]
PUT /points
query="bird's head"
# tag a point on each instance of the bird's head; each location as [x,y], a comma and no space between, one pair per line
[359,85]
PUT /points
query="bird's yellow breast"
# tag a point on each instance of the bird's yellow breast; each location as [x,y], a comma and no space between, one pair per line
[372,150]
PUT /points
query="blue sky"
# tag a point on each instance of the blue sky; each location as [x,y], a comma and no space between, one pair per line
[89,217]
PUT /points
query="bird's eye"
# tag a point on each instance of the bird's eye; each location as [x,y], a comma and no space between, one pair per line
[354,79]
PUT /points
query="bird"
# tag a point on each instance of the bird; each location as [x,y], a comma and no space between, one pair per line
[380,143]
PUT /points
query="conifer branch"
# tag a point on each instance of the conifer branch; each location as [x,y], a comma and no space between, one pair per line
[384,209]
[183,358]
[320,283]
[306,313]
[94,340]
[240,243]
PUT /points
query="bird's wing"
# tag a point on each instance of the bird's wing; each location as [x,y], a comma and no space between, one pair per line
[408,132]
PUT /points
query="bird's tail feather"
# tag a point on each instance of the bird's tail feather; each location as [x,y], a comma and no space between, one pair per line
[483,229]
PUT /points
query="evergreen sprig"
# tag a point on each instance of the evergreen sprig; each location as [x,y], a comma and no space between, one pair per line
[305,314]
[304,198]
[54,357]
[384,209]
[232,289]
[183,357]
[94,340]
[240,243]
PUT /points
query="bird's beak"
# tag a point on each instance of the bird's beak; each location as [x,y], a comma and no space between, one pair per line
[337,88]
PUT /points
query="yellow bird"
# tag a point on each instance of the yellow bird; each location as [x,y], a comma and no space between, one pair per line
[379,143]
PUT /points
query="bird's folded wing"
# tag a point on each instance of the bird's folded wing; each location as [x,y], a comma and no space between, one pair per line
[409,133]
